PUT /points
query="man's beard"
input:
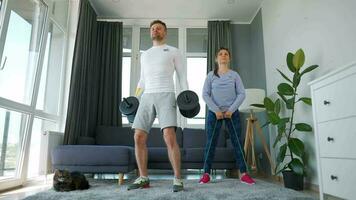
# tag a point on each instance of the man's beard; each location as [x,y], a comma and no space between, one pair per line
[157,38]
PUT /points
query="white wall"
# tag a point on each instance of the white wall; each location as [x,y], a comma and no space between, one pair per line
[325,29]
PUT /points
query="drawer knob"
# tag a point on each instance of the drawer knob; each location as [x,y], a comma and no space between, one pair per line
[326,102]
[333,177]
[330,139]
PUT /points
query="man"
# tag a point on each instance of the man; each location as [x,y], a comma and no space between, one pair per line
[156,82]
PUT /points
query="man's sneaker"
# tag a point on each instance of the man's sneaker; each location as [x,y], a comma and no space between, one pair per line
[140,182]
[205,178]
[177,185]
[247,179]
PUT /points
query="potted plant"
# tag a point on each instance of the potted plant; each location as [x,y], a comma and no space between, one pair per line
[289,145]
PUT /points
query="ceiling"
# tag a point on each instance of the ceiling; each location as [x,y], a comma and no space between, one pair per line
[239,11]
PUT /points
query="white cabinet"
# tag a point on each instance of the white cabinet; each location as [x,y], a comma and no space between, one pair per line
[334,111]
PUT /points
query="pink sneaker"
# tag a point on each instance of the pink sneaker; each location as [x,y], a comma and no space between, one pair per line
[205,178]
[247,179]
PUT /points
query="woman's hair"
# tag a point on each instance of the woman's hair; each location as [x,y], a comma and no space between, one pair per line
[216,64]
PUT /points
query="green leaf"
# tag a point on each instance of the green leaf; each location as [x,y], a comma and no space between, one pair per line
[277,106]
[303,127]
[282,126]
[285,120]
[306,100]
[298,59]
[282,153]
[296,79]
[281,129]
[258,105]
[285,89]
[279,136]
[284,76]
[268,104]
[310,68]
[290,103]
[282,96]
[273,118]
[290,62]
[282,169]
[297,166]
[296,146]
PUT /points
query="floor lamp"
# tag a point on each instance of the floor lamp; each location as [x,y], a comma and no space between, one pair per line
[253,96]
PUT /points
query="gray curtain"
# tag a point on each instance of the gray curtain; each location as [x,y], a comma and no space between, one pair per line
[219,35]
[110,36]
[95,87]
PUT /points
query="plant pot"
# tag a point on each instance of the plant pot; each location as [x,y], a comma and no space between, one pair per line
[293,181]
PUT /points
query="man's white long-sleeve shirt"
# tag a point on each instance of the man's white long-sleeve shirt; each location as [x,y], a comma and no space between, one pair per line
[157,68]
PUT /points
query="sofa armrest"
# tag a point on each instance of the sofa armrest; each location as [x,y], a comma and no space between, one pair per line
[83,140]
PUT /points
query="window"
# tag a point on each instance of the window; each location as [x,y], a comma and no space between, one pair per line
[32,49]
[197,40]
[20,47]
[20,55]
[126,66]
[11,135]
[126,61]
[196,67]
[50,90]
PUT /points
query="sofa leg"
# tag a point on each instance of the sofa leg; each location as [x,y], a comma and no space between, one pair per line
[232,173]
[121,178]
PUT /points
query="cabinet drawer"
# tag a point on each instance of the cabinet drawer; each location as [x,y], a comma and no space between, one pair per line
[336,100]
[337,138]
[338,177]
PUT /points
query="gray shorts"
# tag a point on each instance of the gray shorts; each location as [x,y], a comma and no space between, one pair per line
[151,104]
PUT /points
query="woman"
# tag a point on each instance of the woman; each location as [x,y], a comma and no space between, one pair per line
[223,92]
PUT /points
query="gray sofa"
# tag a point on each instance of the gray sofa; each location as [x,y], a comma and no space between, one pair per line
[112,151]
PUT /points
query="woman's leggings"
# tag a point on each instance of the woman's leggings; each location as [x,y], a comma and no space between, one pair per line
[213,127]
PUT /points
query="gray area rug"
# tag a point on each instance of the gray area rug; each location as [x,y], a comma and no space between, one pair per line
[162,189]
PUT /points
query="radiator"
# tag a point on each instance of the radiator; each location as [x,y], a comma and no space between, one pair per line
[49,141]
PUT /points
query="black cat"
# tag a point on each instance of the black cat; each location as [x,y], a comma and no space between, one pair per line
[66,181]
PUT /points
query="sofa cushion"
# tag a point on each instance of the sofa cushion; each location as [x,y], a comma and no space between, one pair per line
[197,155]
[155,138]
[93,155]
[159,154]
[112,135]
[196,138]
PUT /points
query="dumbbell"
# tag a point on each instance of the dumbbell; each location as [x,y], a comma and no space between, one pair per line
[128,107]
[188,103]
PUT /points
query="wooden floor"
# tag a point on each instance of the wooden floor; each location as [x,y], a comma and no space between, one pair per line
[40,184]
